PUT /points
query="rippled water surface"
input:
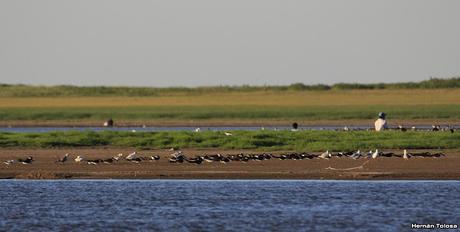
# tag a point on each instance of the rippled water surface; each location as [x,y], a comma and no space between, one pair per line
[187,128]
[171,128]
[222,205]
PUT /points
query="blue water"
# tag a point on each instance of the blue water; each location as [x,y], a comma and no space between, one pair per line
[226,205]
[172,128]
[181,128]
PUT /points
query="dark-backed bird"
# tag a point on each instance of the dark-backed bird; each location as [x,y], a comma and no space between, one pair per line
[63,159]
[196,160]
[356,155]
[27,160]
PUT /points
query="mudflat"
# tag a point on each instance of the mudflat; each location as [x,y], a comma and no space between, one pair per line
[382,168]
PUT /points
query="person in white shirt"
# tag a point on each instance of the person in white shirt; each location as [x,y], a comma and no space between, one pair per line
[381,124]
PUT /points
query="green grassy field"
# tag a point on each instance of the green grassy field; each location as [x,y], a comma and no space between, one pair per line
[258,140]
[431,101]
[230,112]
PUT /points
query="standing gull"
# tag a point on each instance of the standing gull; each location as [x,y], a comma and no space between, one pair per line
[405,155]
[375,154]
[325,155]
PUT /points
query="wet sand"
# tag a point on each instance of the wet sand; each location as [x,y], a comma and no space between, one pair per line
[44,166]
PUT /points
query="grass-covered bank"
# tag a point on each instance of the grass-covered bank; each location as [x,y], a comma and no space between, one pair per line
[7,90]
[261,140]
[267,107]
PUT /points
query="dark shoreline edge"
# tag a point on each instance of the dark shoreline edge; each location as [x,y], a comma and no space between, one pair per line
[356,176]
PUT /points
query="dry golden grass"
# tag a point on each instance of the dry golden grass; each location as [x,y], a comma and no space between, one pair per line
[260,98]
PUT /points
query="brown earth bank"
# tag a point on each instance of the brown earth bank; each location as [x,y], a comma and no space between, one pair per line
[45,167]
[219,123]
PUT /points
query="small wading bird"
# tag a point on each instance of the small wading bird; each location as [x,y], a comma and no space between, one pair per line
[63,159]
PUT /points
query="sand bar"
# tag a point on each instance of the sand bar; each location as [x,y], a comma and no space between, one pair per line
[44,166]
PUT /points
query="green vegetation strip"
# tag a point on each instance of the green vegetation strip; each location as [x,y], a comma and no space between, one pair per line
[258,140]
[228,112]
[66,90]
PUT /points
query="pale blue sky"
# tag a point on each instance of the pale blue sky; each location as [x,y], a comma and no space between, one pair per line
[232,42]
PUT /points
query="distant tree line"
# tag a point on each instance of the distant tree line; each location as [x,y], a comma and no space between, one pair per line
[7,90]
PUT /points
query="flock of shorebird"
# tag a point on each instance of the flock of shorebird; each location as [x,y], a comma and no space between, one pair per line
[180,157]
[133,157]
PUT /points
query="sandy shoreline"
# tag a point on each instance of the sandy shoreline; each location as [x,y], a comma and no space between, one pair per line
[44,167]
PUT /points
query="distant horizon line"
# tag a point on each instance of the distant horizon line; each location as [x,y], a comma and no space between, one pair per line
[455,78]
